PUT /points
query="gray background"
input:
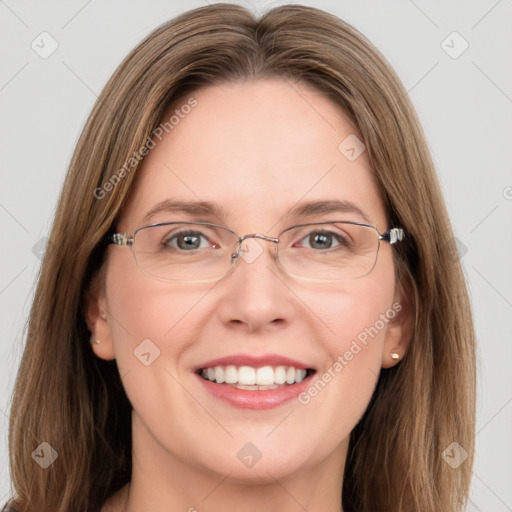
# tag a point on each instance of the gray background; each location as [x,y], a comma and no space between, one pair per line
[464,101]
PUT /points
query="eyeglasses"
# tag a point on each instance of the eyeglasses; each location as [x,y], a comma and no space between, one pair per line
[202,251]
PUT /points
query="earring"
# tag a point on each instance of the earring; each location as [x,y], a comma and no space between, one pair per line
[94,341]
[395,356]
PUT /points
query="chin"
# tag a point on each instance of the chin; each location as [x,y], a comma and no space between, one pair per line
[258,462]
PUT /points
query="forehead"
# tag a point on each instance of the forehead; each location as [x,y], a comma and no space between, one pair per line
[258,150]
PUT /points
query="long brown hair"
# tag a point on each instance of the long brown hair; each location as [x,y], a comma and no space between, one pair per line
[75,402]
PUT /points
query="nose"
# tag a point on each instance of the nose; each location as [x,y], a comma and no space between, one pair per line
[255,296]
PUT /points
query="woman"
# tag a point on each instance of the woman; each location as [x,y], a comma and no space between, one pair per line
[250,298]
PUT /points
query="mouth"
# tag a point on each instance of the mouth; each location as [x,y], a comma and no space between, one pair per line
[251,378]
[254,382]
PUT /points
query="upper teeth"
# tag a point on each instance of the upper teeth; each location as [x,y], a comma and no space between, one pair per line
[248,376]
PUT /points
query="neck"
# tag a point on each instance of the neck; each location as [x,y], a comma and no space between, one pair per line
[162,482]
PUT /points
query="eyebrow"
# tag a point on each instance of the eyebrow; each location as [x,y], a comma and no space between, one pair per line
[300,211]
[313,208]
[192,208]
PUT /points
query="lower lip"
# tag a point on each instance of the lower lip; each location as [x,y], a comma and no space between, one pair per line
[245,399]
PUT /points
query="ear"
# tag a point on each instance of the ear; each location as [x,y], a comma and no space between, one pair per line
[400,328]
[97,318]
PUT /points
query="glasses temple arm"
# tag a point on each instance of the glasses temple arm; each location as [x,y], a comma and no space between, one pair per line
[393,235]
[119,239]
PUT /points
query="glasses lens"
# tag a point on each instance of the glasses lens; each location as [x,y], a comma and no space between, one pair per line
[188,252]
[184,252]
[334,251]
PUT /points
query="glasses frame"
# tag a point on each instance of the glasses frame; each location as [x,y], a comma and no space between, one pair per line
[392,236]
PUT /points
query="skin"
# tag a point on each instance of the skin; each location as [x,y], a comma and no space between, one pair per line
[256,149]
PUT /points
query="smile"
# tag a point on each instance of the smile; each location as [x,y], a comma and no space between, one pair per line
[254,379]
[254,382]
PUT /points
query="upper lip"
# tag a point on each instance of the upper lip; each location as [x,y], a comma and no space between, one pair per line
[254,361]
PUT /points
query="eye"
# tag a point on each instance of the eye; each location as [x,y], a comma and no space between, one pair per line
[322,240]
[187,241]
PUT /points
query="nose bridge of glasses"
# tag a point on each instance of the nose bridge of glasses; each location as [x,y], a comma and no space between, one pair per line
[254,253]
[257,235]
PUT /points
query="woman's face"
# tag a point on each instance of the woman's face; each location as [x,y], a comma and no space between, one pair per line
[257,150]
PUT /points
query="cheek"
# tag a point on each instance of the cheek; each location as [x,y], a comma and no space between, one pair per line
[356,319]
[153,325]
[356,313]
[149,316]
